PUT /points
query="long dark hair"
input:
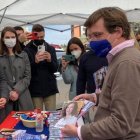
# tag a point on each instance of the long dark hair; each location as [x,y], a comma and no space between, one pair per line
[3,48]
[78,42]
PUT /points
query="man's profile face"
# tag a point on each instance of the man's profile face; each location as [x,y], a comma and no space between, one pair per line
[99,32]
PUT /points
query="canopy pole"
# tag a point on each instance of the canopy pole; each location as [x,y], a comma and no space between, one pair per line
[76,16]
[3,14]
[45,18]
[9,5]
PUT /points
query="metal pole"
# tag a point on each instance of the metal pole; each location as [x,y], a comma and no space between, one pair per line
[3,14]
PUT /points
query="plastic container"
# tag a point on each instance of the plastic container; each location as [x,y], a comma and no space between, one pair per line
[27,123]
[39,122]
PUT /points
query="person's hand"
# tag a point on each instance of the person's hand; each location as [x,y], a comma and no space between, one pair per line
[47,56]
[69,130]
[24,37]
[91,97]
[2,102]
[64,63]
[39,57]
[13,95]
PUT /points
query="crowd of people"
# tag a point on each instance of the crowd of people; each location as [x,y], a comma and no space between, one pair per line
[118,113]
[108,74]
[27,72]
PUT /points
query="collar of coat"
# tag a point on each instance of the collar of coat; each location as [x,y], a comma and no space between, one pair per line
[16,54]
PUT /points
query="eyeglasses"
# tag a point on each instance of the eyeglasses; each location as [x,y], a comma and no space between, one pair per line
[95,35]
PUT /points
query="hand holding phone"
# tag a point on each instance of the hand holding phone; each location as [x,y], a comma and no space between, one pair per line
[42,55]
[64,63]
[34,36]
[41,48]
[47,56]
[39,57]
[69,57]
[25,37]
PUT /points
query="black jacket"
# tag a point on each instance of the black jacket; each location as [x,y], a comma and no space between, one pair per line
[43,82]
[89,64]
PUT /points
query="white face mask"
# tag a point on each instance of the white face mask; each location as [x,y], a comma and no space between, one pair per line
[76,53]
[10,42]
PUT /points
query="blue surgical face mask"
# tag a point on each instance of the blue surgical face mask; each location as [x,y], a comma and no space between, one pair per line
[101,47]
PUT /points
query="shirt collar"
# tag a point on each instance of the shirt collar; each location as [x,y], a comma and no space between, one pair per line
[119,47]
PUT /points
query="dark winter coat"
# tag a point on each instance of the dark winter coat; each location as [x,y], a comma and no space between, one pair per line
[89,64]
[43,82]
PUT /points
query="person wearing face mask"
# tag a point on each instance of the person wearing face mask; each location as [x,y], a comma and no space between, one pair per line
[42,56]
[16,68]
[70,69]
[138,36]
[23,36]
[89,67]
[118,112]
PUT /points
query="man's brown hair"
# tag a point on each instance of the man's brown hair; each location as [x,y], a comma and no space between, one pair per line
[38,28]
[113,17]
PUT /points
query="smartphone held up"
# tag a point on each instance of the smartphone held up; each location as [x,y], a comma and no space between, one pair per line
[34,36]
[41,48]
[69,57]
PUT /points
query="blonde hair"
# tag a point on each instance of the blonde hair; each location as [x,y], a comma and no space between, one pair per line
[132,36]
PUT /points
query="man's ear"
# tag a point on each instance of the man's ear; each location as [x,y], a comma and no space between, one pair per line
[119,32]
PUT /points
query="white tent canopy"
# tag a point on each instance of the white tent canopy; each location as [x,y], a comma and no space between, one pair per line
[64,12]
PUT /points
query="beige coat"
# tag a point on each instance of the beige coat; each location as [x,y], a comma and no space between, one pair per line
[118,114]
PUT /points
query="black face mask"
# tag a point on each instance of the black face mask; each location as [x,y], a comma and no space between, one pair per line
[38,42]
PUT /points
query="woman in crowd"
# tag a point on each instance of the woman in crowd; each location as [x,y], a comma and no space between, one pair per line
[70,68]
[16,68]
[3,95]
